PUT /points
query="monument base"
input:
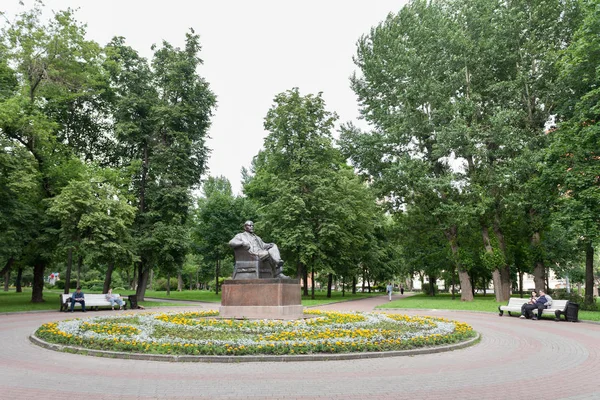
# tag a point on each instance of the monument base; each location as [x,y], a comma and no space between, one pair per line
[261,299]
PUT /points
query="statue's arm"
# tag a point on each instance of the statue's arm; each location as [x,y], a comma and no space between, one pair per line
[238,241]
[263,245]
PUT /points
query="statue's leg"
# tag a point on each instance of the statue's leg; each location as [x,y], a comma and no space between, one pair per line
[276,262]
[275,256]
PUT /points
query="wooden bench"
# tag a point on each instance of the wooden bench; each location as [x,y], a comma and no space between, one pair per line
[515,303]
[92,301]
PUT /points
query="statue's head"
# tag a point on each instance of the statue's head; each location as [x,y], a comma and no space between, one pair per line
[249,226]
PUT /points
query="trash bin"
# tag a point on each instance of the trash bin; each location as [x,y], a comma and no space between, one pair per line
[133,302]
[572,312]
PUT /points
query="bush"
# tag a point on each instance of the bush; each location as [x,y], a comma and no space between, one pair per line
[426,289]
[379,288]
[574,297]
[93,285]
[160,284]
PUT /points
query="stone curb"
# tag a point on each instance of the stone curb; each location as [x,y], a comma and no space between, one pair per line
[239,359]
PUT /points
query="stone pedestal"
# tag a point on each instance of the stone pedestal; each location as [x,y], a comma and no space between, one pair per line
[261,299]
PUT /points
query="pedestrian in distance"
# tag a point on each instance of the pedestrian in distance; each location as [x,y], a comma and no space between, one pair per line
[390,289]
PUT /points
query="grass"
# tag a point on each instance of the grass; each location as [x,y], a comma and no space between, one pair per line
[336,297]
[186,295]
[480,303]
[211,297]
[19,302]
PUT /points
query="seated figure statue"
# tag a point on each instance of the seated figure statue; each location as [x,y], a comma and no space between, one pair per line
[268,253]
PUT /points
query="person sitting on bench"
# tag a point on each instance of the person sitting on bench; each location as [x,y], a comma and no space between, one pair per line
[114,298]
[542,302]
[78,297]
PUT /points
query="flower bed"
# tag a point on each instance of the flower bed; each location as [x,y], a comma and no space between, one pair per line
[201,333]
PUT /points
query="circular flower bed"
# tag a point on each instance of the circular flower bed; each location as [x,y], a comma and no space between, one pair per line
[200,333]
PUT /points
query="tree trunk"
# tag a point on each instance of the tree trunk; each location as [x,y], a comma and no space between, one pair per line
[305,276]
[364,278]
[108,277]
[6,280]
[6,272]
[79,264]
[521,283]
[343,286]
[37,289]
[589,273]
[354,285]
[505,269]
[180,281]
[466,289]
[143,274]
[432,284]
[312,282]
[19,280]
[169,285]
[217,277]
[329,284]
[496,272]
[68,272]
[539,268]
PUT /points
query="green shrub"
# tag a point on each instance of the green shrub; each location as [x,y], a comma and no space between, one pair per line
[426,289]
[574,297]
[93,285]
[379,288]
[160,284]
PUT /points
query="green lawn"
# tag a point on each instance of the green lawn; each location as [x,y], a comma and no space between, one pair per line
[202,295]
[444,302]
[189,295]
[16,302]
[336,297]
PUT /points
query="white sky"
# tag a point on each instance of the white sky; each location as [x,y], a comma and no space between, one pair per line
[252,50]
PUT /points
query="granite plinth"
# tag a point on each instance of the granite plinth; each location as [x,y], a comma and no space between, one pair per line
[261,298]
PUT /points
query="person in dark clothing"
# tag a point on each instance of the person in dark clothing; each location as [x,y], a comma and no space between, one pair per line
[532,300]
[78,297]
[542,302]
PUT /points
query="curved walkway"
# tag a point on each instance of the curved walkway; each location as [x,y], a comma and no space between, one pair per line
[516,359]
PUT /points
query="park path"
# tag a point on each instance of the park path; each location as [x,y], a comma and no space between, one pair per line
[516,359]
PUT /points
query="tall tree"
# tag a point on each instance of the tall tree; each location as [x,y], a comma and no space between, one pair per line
[458,79]
[53,63]
[219,217]
[162,118]
[574,156]
[309,201]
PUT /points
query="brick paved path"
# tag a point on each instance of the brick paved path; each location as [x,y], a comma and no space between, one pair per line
[516,359]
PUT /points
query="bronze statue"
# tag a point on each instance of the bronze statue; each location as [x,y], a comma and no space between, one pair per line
[251,252]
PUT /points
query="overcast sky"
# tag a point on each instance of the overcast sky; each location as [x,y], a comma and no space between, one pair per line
[252,50]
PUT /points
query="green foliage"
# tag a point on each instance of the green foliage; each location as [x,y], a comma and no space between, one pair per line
[312,205]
